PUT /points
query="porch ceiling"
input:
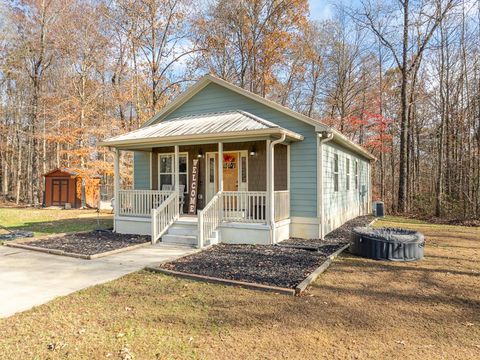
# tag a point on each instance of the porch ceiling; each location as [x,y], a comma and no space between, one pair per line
[222,126]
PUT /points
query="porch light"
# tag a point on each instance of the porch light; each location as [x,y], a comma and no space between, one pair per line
[200,154]
[253,151]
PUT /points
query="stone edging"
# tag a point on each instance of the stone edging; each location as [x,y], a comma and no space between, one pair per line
[75,255]
[300,288]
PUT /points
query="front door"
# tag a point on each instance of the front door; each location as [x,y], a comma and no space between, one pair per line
[234,172]
[59,191]
[230,171]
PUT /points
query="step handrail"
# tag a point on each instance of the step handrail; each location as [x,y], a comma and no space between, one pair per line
[209,218]
[164,216]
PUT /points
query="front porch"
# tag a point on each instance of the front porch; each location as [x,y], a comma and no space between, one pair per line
[224,192]
[230,170]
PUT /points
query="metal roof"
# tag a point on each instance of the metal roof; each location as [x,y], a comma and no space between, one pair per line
[231,123]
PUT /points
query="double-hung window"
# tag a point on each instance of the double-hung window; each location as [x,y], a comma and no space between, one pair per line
[348,174]
[335,172]
[356,174]
[166,176]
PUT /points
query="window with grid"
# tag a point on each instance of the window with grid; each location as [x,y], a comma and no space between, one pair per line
[335,172]
[348,174]
[356,174]
[166,173]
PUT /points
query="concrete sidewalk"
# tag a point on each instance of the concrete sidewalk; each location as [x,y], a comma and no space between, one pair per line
[30,278]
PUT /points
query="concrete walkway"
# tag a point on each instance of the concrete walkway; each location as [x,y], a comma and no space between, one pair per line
[31,278]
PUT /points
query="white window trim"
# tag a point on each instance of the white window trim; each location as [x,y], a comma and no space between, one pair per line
[173,173]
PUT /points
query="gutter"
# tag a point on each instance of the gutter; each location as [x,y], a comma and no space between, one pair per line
[324,137]
[272,187]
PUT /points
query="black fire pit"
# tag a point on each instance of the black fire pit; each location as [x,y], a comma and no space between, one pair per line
[387,244]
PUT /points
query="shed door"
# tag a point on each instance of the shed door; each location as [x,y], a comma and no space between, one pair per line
[59,191]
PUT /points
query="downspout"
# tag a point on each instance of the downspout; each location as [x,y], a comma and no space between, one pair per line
[324,136]
[272,186]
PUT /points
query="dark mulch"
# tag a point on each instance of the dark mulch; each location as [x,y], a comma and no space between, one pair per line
[90,243]
[341,235]
[17,234]
[261,264]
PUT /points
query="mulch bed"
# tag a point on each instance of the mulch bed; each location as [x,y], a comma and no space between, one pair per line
[341,235]
[261,264]
[89,243]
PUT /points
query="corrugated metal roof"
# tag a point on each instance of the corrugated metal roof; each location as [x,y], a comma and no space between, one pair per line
[213,123]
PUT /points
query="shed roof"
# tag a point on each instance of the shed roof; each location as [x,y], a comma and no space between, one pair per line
[67,171]
[225,124]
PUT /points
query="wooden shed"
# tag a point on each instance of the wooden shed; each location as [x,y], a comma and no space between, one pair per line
[64,186]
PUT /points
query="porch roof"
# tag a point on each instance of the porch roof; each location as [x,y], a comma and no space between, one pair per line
[221,125]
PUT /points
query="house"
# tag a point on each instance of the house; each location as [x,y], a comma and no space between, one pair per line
[63,187]
[245,170]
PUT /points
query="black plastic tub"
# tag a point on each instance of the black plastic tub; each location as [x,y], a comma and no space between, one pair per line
[387,244]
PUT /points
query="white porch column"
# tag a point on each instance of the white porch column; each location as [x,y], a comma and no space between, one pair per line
[288,178]
[271,188]
[269,184]
[176,164]
[220,166]
[116,183]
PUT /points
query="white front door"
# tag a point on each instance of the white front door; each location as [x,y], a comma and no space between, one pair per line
[235,176]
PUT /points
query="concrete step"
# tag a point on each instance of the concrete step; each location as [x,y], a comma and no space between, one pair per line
[179,239]
[183,230]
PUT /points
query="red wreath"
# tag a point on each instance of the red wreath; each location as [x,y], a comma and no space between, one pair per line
[228,158]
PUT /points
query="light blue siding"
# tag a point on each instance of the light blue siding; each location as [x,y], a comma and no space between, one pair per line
[343,205]
[141,170]
[303,164]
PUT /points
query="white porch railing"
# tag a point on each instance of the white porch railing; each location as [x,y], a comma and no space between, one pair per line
[282,205]
[209,219]
[244,206]
[164,216]
[139,202]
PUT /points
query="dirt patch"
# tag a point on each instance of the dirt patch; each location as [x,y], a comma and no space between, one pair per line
[89,243]
[261,264]
[341,235]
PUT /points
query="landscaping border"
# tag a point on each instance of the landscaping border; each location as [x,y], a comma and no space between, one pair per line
[215,280]
[300,288]
[75,255]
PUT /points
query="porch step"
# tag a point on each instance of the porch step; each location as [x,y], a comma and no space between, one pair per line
[179,239]
[176,229]
[185,232]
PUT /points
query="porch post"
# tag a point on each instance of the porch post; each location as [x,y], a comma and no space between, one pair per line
[176,164]
[269,183]
[116,183]
[220,166]
[271,188]
[288,178]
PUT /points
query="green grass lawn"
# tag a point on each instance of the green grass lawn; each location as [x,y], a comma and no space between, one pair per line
[52,221]
[357,309]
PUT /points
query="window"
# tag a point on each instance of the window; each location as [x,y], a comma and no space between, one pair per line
[166,173]
[348,174]
[212,170]
[335,172]
[244,169]
[356,174]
